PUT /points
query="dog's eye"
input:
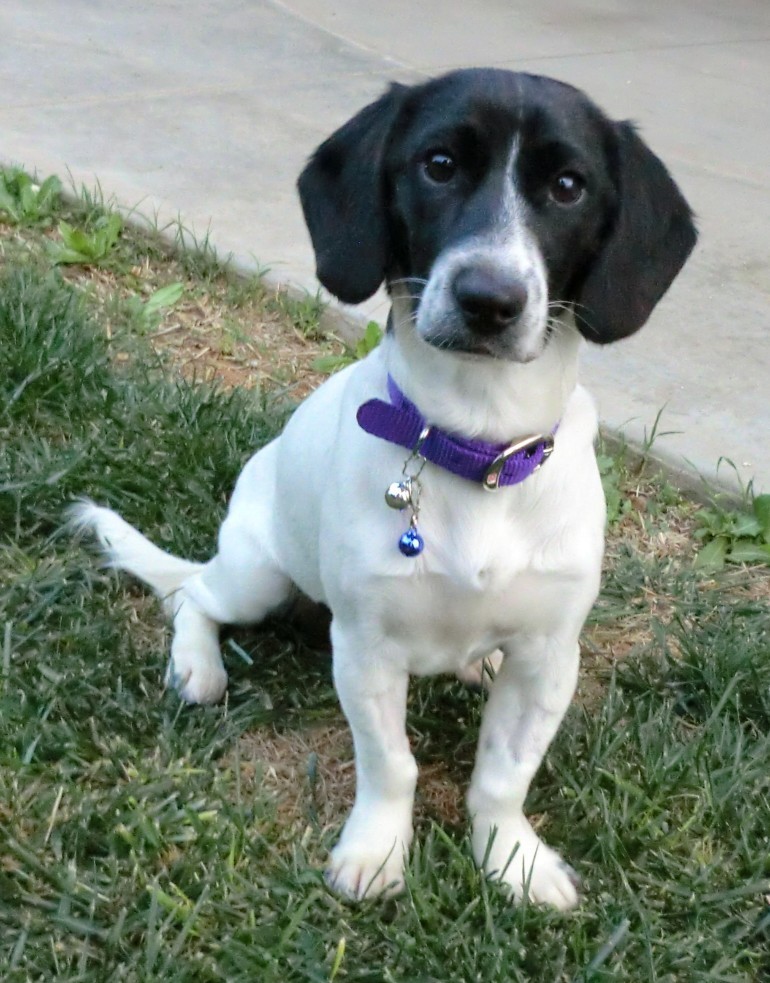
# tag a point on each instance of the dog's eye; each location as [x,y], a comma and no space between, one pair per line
[567,188]
[440,167]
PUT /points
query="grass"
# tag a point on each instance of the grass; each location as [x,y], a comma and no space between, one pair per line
[144,840]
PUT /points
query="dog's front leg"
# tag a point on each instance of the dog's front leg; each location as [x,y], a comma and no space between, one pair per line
[369,858]
[529,697]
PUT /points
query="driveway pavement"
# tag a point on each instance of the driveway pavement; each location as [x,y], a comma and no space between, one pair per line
[208,108]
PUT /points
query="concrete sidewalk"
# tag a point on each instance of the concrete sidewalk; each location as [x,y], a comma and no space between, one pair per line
[208,108]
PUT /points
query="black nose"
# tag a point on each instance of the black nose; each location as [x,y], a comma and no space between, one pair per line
[490,300]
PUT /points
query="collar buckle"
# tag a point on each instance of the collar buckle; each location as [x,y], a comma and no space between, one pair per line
[491,478]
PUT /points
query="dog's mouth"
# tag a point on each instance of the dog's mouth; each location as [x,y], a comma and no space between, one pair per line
[482,350]
[478,348]
[463,346]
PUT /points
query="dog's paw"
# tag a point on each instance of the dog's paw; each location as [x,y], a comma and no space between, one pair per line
[197,679]
[368,861]
[366,873]
[523,865]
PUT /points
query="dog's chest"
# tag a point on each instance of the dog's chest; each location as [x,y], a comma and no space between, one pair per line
[486,543]
[484,577]
[439,625]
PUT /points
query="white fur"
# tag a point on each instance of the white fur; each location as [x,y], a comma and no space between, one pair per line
[515,571]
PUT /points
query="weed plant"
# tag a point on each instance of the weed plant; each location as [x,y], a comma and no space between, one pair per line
[24,202]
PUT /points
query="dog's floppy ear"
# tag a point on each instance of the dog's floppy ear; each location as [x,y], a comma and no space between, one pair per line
[342,199]
[647,245]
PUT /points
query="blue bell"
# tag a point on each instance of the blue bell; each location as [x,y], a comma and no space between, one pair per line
[411,543]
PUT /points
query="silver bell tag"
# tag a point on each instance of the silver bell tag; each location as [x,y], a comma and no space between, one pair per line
[405,494]
[399,494]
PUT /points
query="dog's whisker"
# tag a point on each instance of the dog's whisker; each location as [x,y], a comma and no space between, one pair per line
[586,326]
[562,306]
[410,318]
[409,279]
[574,307]
[405,319]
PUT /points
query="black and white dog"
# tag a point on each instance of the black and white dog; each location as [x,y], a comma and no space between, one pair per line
[508,217]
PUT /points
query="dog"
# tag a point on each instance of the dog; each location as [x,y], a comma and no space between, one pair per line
[442,496]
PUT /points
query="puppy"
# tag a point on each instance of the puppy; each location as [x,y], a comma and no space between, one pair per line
[442,496]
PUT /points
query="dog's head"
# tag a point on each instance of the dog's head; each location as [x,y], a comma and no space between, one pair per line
[496,198]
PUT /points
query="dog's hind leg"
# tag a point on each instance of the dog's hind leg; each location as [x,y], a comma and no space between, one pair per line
[195,668]
[240,585]
[481,674]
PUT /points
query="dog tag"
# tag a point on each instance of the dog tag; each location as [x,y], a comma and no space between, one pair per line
[399,494]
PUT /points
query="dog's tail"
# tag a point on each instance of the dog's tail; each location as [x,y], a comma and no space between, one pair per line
[125,548]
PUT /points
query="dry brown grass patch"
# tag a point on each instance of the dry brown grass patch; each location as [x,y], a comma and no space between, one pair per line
[310,775]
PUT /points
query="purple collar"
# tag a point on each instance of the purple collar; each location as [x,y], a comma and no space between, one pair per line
[490,465]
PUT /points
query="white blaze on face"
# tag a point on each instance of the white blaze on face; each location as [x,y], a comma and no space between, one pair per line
[507,247]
